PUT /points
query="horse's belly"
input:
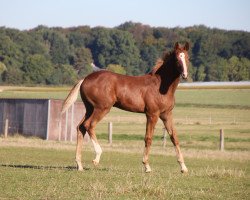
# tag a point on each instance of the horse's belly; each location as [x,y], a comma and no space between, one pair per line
[132,105]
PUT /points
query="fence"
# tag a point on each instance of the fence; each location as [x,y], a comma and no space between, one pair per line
[188,120]
[40,117]
[28,117]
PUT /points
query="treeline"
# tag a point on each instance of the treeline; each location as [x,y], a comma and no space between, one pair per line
[62,55]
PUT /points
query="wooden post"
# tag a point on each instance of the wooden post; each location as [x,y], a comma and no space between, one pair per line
[221,140]
[48,121]
[60,129]
[6,128]
[66,126]
[72,123]
[110,129]
[164,137]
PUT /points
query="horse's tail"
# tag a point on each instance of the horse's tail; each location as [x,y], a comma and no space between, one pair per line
[72,96]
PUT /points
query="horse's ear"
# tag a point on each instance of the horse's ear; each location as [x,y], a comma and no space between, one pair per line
[176,46]
[186,47]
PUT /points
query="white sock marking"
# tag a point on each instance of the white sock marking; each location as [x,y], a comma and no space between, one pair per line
[98,150]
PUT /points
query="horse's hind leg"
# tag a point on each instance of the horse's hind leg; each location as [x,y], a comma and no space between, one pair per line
[81,131]
[90,125]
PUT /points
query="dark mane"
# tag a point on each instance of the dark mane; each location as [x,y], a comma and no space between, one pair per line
[160,61]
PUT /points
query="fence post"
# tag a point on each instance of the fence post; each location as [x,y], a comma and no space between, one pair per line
[221,140]
[110,129]
[72,122]
[164,137]
[66,126]
[6,128]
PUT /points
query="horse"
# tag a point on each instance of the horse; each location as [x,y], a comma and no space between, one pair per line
[152,94]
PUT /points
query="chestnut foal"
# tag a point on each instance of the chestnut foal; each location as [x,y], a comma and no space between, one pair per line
[152,94]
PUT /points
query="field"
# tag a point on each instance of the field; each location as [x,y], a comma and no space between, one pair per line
[31,168]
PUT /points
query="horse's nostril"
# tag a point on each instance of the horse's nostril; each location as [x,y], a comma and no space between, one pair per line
[184,76]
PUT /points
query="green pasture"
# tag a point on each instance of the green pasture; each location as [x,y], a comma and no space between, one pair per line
[199,115]
[44,172]
[218,97]
[32,168]
[197,127]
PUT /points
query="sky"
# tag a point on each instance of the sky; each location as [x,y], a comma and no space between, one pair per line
[222,14]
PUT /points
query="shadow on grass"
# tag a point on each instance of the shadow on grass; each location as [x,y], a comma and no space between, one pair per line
[68,168]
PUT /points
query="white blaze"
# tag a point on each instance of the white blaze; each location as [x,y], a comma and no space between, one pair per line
[184,65]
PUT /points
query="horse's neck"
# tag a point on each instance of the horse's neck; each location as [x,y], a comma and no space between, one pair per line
[174,84]
[169,79]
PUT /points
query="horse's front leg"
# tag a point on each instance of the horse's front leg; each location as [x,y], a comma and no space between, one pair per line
[168,122]
[151,121]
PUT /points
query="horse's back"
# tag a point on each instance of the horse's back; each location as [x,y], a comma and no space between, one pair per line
[105,88]
[108,80]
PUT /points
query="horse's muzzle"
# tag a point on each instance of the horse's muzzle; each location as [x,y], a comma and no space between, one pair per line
[184,76]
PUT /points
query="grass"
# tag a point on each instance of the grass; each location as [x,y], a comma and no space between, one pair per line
[31,168]
[224,96]
[41,172]
[199,115]
[196,127]
[237,98]
[34,92]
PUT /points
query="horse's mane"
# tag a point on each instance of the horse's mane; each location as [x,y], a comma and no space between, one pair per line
[160,62]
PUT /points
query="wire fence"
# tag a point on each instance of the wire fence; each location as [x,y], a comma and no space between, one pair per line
[30,128]
[184,120]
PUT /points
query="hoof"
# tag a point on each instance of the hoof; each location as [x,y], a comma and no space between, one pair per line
[184,171]
[183,168]
[80,169]
[95,163]
[147,169]
[79,166]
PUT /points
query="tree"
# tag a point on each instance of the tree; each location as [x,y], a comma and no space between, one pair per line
[116,69]
[2,67]
[200,74]
[63,75]
[82,60]
[115,47]
[2,70]
[10,53]
[222,69]
[13,76]
[37,69]
[219,54]
[233,64]
[244,70]
[59,49]
[149,55]
[79,37]
[239,69]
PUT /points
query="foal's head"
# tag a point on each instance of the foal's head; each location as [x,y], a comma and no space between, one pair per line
[176,60]
[181,54]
